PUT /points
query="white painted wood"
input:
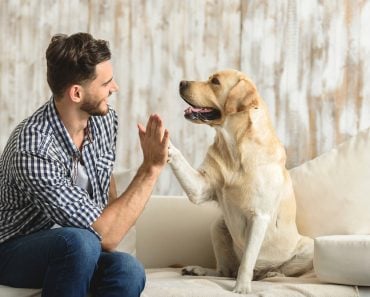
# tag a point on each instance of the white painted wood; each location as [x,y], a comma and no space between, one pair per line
[309,59]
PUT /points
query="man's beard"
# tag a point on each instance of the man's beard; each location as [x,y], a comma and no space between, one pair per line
[92,108]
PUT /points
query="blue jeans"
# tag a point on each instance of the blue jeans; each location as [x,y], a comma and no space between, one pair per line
[69,262]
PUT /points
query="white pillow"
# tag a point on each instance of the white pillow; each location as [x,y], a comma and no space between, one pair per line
[343,259]
[333,190]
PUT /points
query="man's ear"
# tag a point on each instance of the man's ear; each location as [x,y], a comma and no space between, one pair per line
[241,97]
[75,93]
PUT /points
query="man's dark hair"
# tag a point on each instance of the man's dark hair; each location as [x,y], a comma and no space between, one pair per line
[72,60]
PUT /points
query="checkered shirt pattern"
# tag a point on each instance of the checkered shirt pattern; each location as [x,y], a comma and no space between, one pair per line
[38,171]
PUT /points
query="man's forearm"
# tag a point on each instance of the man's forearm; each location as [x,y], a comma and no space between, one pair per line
[119,216]
[138,192]
[112,194]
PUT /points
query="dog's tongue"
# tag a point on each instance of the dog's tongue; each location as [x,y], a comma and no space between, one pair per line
[195,109]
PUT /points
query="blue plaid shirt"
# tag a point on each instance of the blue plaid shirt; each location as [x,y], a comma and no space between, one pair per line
[38,171]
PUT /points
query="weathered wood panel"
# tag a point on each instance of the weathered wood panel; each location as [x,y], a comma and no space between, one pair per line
[309,59]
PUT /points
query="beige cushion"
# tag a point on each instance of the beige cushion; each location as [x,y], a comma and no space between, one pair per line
[343,259]
[19,292]
[128,243]
[172,230]
[333,190]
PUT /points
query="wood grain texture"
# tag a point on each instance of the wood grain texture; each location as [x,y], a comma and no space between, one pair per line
[309,59]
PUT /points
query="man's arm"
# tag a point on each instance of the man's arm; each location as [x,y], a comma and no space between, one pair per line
[121,214]
[112,194]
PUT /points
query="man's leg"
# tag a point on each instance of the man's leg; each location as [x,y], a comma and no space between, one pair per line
[61,261]
[118,274]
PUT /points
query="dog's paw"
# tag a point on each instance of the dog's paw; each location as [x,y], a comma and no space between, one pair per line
[172,152]
[194,270]
[243,283]
[271,274]
[243,287]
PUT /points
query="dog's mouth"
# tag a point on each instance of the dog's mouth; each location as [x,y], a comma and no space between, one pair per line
[203,114]
[198,113]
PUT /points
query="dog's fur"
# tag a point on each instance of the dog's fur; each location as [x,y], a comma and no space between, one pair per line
[244,171]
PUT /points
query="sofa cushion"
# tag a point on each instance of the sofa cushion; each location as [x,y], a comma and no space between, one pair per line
[128,243]
[172,230]
[19,292]
[166,282]
[333,190]
[343,259]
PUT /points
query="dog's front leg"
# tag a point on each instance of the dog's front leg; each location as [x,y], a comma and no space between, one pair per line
[255,234]
[191,180]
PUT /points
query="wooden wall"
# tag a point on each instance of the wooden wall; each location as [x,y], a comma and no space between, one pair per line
[310,60]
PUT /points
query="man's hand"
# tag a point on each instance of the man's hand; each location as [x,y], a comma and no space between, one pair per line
[121,213]
[154,140]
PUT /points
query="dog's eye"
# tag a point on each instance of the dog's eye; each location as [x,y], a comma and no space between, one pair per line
[215,81]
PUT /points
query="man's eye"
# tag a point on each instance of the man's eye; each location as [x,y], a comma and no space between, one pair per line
[215,81]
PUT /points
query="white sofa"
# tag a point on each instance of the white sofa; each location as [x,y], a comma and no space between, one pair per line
[333,206]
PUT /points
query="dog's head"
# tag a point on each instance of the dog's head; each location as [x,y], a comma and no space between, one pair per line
[226,93]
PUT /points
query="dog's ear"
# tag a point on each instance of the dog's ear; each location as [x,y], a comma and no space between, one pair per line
[241,97]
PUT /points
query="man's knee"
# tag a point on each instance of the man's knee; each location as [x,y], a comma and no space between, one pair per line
[78,243]
[127,270]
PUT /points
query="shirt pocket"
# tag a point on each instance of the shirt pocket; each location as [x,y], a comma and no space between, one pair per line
[104,166]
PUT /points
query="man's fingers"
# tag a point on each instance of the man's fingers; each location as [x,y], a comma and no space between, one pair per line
[166,138]
[149,125]
[155,123]
[141,128]
[160,129]
[141,133]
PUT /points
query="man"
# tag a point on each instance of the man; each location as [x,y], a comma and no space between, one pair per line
[60,217]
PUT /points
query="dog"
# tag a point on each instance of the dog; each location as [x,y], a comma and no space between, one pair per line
[244,171]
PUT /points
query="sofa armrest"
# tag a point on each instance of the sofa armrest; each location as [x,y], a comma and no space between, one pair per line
[343,259]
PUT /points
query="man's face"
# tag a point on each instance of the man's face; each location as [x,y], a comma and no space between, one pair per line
[96,92]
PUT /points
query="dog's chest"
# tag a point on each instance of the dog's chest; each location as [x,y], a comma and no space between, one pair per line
[239,188]
[248,186]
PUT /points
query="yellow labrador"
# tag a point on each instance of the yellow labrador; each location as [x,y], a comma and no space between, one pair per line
[244,171]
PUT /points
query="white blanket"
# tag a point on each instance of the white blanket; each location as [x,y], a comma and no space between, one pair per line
[170,283]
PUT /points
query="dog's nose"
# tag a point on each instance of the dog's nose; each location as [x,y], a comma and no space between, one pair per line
[183,84]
